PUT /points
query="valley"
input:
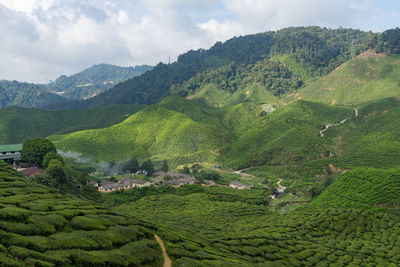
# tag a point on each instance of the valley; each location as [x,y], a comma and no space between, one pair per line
[274,149]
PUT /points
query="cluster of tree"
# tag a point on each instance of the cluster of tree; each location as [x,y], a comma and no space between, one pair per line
[133,166]
[198,171]
[386,42]
[275,77]
[42,153]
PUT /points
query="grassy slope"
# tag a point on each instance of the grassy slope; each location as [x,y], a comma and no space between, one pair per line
[356,81]
[172,128]
[39,227]
[19,124]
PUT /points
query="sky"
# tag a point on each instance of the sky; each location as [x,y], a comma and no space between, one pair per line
[43,39]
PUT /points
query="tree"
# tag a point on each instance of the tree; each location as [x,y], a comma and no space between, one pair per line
[34,150]
[196,167]
[164,166]
[57,172]
[131,166]
[148,166]
[186,170]
[208,175]
[50,156]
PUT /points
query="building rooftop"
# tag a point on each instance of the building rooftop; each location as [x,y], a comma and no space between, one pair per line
[11,147]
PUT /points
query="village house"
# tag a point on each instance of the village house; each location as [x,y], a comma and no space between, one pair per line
[238,185]
[208,183]
[123,184]
[10,152]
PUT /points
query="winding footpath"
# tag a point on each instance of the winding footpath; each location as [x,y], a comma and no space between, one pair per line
[167,260]
[337,124]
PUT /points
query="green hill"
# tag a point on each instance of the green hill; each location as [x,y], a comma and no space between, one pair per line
[94,80]
[40,227]
[367,77]
[173,128]
[13,93]
[287,136]
[19,124]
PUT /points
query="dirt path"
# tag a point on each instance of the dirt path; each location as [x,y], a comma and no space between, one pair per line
[336,124]
[281,188]
[244,174]
[167,260]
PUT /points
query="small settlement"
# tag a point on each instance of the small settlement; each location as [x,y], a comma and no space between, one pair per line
[172,179]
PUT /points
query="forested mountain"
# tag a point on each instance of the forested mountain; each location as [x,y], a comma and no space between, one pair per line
[13,93]
[315,50]
[94,80]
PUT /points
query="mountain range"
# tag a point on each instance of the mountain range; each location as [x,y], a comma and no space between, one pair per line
[86,84]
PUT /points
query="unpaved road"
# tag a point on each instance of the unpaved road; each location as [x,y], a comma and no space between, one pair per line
[167,260]
[336,124]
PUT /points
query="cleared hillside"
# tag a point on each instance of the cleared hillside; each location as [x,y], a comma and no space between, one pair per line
[367,77]
[40,227]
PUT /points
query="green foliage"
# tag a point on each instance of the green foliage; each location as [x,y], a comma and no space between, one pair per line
[57,172]
[233,84]
[208,175]
[164,166]
[131,166]
[50,156]
[35,150]
[39,227]
[147,165]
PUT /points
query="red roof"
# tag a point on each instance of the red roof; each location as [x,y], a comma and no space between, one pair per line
[29,172]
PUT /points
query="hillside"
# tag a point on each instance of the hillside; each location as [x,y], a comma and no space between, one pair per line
[316,50]
[19,124]
[371,139]
[369,76]
[174,128]
[288,136]
[40,227]
[94,80]
[219,221]
[363,188]
[13,93]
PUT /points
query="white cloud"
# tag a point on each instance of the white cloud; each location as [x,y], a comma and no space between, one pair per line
[42,39]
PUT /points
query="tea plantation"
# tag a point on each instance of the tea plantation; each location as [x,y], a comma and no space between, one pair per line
[40,227]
